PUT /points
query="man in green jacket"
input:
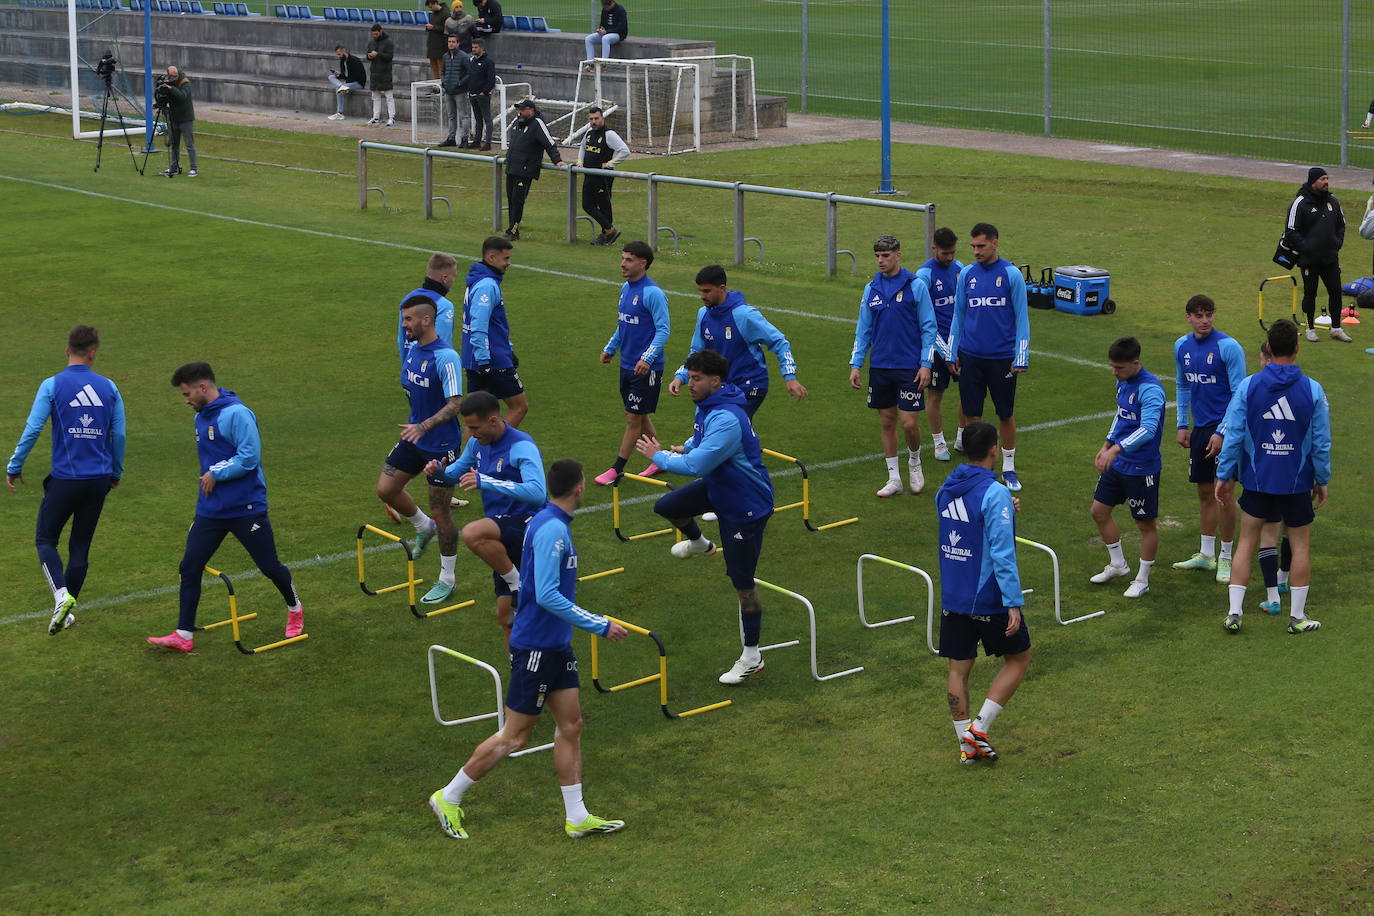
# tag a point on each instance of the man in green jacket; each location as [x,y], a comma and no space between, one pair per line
[181,121]
[380,50]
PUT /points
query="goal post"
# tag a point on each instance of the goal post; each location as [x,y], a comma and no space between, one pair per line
[89,38]
[429,115]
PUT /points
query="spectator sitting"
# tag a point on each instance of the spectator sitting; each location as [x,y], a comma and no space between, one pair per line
[350,77]
[489,19]
[435,46]
[459,24]
[615,26]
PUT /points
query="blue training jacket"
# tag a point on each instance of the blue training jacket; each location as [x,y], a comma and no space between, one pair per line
[725,452]
[977,530]
[230,448]
[1207,372]
[991,317]
[547,609]
[642,328]
[87,430]
[739,332]
[941,283]
[1139,425]
[510,473]
[896,324]
[486,332]
[429,373]
[1278,433]
[443,315]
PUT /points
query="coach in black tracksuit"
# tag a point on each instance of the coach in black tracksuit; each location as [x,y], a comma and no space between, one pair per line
[1316,229]
[526,144]
[602,148]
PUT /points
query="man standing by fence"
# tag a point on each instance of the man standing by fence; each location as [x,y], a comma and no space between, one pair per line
[602,148]
[528,141]
[481,82]
[456,64]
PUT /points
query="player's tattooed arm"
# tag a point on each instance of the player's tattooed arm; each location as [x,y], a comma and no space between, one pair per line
[446,413]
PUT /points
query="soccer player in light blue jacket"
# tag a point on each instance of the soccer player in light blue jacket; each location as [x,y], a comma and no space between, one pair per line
[940,275]
[989,337]
[543,668]
[489,360]
[980,589]
[440,274]
[1278,445]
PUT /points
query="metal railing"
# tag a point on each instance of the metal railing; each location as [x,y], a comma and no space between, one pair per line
[653,181]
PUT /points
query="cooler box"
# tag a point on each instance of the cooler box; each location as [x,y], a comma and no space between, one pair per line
[1083,290]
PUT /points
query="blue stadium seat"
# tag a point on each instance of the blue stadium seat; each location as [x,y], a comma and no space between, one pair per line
[407,17]
[185,6]
[354,14]
[196,7]
[241,9]
[367,16]
[522,24]
[379,15]
[508,22]
[279,11]
[541,24]
[393,16]
[307,13]
[329,14]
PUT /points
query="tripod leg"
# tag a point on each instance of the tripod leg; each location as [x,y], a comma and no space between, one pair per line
[119,115]
[100,139]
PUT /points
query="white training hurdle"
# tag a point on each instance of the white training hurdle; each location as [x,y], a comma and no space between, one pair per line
[930,598]
[811,617]
[499,714]
[1054,561]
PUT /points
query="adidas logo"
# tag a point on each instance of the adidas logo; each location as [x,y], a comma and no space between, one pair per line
[955,510]
[954,539]
[86,397]
[739,536]
[255,527]
[1280,411]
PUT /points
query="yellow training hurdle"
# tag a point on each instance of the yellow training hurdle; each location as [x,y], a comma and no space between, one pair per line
[661,677]
[805,502]
[234,620]
[615,510]
[1291,279]
[411,579]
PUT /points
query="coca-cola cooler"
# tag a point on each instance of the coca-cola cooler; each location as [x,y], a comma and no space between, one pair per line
[1083,290]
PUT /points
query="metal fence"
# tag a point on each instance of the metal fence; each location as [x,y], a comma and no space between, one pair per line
[1261,78]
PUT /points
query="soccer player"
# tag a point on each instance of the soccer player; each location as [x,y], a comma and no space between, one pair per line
[489,362]
[737,331]
[725,453]
[504,464]
[941,277]
[1128,465]
[87,462]
[897,332]
[543,669]
[440,274]
[980,589]
[429,374]
[989,337]
[1275,555]
[232,500]
[641,333]
[1209,366]
[1278,445]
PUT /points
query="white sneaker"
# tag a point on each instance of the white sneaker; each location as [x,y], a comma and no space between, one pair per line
[373,122]
[342,90]
[741,670]
[684,549]
[1110,572]
[1136,588]
[336,116]
[891,488]
[1312,334]
[916,479]
[1339,334]
[191,174]
[942,452]
[390,122]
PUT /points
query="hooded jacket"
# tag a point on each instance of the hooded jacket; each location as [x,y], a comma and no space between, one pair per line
[896,324]
[725,452]
[380,76]
[182,109]
[1278,433]
[230,448]
[977,535]
[526,144]
[737,331]
[486,333]
[1316,226]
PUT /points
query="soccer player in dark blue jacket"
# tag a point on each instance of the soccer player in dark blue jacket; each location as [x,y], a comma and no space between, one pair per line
[1209,367]
[725,453]
[232,500]
[897,332]
[489,361]
[543,668]
[980,588]
[989,337]
[641,333]
[87,462]
[1278,445]
[1129,463]
[941,277]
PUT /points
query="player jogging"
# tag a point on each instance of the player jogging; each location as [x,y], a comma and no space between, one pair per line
[989,337]
[543,668]
[504,464]
[725,453]
[1278,445]
[897,332]
[1209,366]
[980,589]
[941,278]
[87,414]
[1128,464]
[641,333]
[232,500]
[489,362]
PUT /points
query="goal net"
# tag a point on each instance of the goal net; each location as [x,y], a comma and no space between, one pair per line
[91,35]
[429,115]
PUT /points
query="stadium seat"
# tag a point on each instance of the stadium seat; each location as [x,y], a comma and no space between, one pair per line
[279,11]
[393,17]
[329,14]
[367,16]
[354,14]
[508,22]
[185,6]
[196,7]
[541,24]
[380,16]
[522,24]
[407,17]
[242,10]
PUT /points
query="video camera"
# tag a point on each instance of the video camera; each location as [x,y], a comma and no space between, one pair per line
[162,98]
[105,67]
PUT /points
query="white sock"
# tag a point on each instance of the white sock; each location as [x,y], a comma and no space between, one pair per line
[961,729]
[892,468]
[913,457]
[938,439]
[420,520]
[59,596]
[1143,573]
[959,438]
[1008,460]
[1209,545]
[573,804]
[512,579]
[1226,549]
[453,792]
[1236,593]
[701,544]
[185,634]
[986,716]
[1272,594]
[1116,555]
[1283,577]
[1297,595]
[296,608]
[446,569]
[752,655]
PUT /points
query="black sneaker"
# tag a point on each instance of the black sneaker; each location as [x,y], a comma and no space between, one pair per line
[448,141]
[612,236]
[512,234]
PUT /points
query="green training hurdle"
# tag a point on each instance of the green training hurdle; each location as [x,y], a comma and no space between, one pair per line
[930,598]
[411,579]
[805,502]
[811,617]
[234,620]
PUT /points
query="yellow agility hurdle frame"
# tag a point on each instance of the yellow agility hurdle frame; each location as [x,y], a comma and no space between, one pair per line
[234,620]
[661,677]
[1291,279]
[805,502]
[615,510]
[411,579]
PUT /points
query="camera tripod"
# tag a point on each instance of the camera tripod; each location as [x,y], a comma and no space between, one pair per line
[106,74]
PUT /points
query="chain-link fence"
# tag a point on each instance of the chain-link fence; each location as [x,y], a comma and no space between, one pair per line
[1261,78]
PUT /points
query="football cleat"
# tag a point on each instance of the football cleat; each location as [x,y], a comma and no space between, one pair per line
[173,641]
[591,825]
[60,615]
[450,816]
[976,743]
[1271,607]
[1224,569]
[942,452]
[1231,624]
[606,477]
[422,539]
[1283,588]
[741,671]
[438,594]
[1197,561]
[1306,625]
[684,549]
[651,471]
[295,623]
[1136,589]
[891,488]
[1012,481]
[1110,572]
[916,479]
[1339,334]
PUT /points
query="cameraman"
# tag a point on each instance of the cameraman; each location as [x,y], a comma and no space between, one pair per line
[173,95]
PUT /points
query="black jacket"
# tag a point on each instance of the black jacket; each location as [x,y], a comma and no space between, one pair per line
[526,144]
[457,65]
[351,70]
[436,41]
[616,20]
[1316,227]
[481,75]
[381,64]
[489,18]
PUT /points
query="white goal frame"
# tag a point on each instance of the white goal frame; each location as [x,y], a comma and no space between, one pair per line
[601,73]
[507,94]
[74,63]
